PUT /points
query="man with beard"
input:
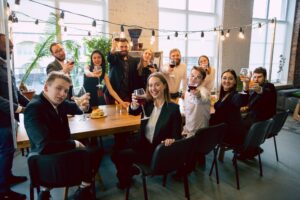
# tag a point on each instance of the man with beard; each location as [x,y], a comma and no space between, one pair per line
[175,75]
[121,75]
[121,72]
[59,63]
[6,135]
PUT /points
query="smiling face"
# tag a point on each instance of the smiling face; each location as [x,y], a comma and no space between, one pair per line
[156,88]
[56,91]
[147,55]
[175,55]
[195,78]
[58,52]
[97,59]
[203,62]
[123,47]
[228,81]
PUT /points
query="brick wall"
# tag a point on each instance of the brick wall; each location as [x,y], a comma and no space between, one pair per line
[294,69]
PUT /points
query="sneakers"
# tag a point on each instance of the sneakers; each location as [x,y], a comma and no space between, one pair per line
[84,194]
[44,195]
[13,180]
[11,195]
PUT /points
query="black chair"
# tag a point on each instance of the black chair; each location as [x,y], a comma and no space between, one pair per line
[63,169]
[279,120]
[207,140]
[253,140]
[167,159]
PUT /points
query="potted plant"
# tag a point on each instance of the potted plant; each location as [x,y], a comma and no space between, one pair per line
[41,50]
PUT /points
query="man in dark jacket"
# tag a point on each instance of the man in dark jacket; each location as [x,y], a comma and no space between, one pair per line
[47,126]
[6,132]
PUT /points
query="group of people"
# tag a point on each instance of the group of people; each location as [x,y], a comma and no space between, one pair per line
[126,74]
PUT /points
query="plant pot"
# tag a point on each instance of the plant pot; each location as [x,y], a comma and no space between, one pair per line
[29,94]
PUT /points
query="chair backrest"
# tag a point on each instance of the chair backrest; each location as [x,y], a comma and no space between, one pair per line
[257,133]
[209,137]
[279,120]
[57,170]
[166,159]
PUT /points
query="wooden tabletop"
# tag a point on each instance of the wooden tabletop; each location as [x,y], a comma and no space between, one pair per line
[115,121]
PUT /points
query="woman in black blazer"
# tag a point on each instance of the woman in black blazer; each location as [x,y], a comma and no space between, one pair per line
[227,108]
[163,126]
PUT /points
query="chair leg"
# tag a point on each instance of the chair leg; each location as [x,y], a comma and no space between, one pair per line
[31,193]
[216,163]
[260,166]
[145,188]
[275,145]
[100,181]
[186,187]
[236,172]
[164,180]
[66,191]
[127,193]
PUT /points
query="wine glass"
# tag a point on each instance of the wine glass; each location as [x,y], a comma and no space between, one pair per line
[245,73]
[193,86]
[78,92]
[98,70]
[140,96]
[172,64]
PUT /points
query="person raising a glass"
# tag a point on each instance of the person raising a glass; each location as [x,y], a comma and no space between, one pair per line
[164,125]
[209,81]
[93,76]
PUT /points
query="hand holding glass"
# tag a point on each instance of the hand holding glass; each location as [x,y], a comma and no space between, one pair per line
[140,97]
[78,93]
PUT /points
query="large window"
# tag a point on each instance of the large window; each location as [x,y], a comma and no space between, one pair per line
[26,34]
[262,39]
[188,15]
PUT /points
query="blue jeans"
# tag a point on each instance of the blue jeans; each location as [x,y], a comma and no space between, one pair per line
[6,157]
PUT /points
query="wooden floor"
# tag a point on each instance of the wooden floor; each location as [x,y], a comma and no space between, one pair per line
[281,179]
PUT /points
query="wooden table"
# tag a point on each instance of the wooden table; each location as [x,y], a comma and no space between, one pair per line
[114,122]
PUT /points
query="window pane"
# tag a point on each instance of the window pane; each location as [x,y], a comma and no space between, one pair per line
[260,9]
[200,22]
[204,6]
[172,21]
[278,9]
[176,4]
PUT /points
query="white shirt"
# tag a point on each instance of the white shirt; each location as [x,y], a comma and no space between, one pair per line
[177,79]
[196,111]
[150,127]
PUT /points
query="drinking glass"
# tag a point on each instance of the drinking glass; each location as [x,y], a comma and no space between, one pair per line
[245,73]
[77,93]
[140,96]
[172,63]
[193,86]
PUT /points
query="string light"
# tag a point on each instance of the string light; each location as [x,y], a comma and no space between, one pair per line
[152,40]
[227,33]
[168,38]
[222,35]
[122,34]
[61,18]
[89,33]
[65,29]
[202,35]
[36,22]
[241,33]
[176,34]
[17,5]
[259,25]
[8,10]
[186,36]
[215,31]
[273,22]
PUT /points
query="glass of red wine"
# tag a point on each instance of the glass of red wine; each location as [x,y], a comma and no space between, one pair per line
[172,63]
[140,97]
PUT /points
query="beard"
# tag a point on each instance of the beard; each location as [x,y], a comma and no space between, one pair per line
[61,59]
[178,62]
